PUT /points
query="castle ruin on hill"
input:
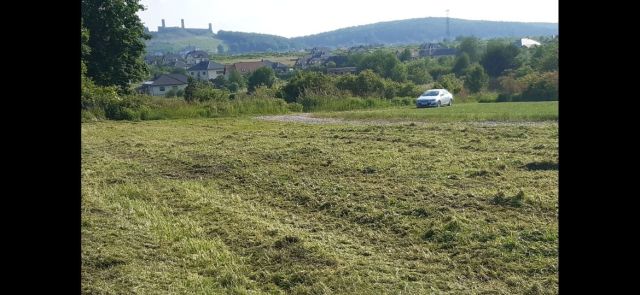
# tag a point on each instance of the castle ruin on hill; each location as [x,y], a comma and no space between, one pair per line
[164,28]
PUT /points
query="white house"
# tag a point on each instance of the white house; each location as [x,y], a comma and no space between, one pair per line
[525,42]
[206,70]
[161,85]
[196,56]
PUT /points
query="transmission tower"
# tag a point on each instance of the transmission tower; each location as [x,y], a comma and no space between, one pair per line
[448,37]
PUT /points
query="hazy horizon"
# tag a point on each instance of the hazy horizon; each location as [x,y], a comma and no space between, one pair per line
[275,17]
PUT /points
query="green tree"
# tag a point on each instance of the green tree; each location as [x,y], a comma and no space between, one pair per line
[399,73]
[262,76]
[540,86]
[475,78]
[385,64]
[369,83]
[545,58]
[156,70]
[307,82]
[236,77]
[205,92]
[355,59]
[220,82]
[470,46]
[190,89]
[233,87]
[85,50]
[450,82]
[461,64]
[171,93]
[116,39]
[346,82]
[417,72]
[499,57]
[438,71]
[405,55]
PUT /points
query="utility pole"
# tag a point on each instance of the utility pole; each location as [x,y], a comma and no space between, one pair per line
[448,37]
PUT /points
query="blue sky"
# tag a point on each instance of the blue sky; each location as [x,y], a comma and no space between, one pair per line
[292,18]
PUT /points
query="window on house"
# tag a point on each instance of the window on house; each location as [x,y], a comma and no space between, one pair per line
[192,73]
[161,88]
[204,73]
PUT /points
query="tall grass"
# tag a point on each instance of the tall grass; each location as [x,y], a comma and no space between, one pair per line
[214,109]
[162,108]
[331,103]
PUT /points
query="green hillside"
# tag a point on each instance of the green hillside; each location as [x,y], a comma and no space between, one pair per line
[420,30]
[409,31]
[175,40]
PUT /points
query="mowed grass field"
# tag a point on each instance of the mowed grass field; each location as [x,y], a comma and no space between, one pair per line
[242,206]
[505,111]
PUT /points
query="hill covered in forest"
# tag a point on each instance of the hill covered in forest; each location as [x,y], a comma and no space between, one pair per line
[409,31]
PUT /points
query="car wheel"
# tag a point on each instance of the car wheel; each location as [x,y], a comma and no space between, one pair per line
[438,105]
[451,102]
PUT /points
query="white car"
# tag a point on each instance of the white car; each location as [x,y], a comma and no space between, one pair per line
[434,98]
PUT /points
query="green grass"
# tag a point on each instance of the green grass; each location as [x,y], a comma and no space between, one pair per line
[241,206]
[323,103]
[506,111]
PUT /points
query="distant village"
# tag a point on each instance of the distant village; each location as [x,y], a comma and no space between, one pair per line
[198,65]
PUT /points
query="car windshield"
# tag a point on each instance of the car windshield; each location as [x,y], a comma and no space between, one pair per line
[430,93]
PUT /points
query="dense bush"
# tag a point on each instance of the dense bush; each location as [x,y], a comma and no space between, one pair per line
[509,85]
[498,57]
[207,93]
[154,108]
[485,97]
[368,83]
[531,87]
[264,92]
[261,77]
[394,89]
[540,87]
[438,71]
[307,81]
[449,82]
[475,79]
[171,93]
[384,64]
[295,107]
[418,72]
